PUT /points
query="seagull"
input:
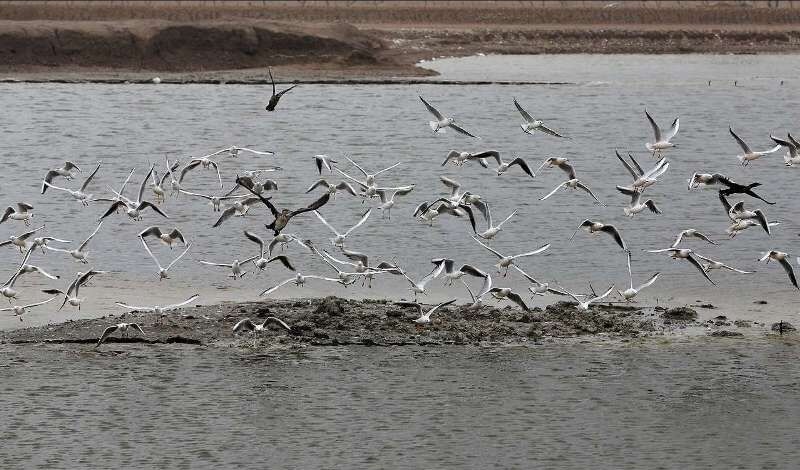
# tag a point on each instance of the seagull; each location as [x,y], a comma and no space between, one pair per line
[442,122]
[338,240]
[283,217]
[713,264]
[642,179]
[158,310]
[750,155]
[687,254]
[792,157]
[783,259]
[117,194]
[425,318]
[387,202]
[299,280]
[29,268]
[42,242]
[532,124]
[507,261]
[79,195]
[247,325]
[632,292]
[593,227]
[426,212]
[583,305]
[477,301]
[71,295]
[324,161]
[174,183]
[7,289]
[134,208]
[369,178]
[158,183]
[216,201]
[493,230]
[742,217]
[206,163]
[284,239]
[560,162]
[539,288]
[662,139]
[636,206]
[344,278]
[235,267]
[419,287]
[459,158]
[79,254]
[167,238]
[122,328]
[65,171]
[451,274]
[333,188]
[572,182]
[501,293]
[691,233]
[254,185]
[23,212]
[21,240]
[162,271]
[502,166]
[361,266]
[261,262]
[233,151]
[19,310]
[276,96]
[705,180]
[238,207]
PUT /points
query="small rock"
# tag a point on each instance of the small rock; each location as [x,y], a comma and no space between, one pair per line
[760,302]
[725,333]
[331,306]
[681,314]
[783,327]
[742,323]
[707,306]
[721,317]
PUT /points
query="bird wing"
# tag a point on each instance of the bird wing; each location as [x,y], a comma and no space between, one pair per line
[762,219]
[279,322]
[274,288]
[611,230]
[325,222]
[243,325]
[143,185]
[255,239]
[150,231]
[443,304]
[652,206]
[553,191]
[174,306]
[789,270]
[261,152]
[742,144]
[521,163]
[602,296]
[85,242]
[432,110]
[628,166]
[725,204]
[192,165]
[145,204]
[649,282]
[275,212]
[452,154]
[586,188]
[527,117]
[226,214]
[360,222]
[386,169]
[514,297]
[284,261]
[547,130]
[106,333]
[89,178]
[461,130]
[313,206]
[534,252]
[656,129]
[316,185]
[133,307]
[673,129]
[209,263]
[700,268]
[526,275]
[496,253]
[356,256]
[169,266]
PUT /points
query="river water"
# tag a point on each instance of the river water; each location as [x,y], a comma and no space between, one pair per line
[676,403]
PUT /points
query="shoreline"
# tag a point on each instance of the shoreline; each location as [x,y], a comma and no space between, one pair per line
[334,321]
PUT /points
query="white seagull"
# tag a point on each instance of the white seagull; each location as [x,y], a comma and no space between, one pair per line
[783,259]
[23,212]
[122,328]
[233,151]
[65,171]
[21,241]
[71,295]
[425,318]
[333,188]
[583,305]
[502,293]
[235,267]
[167,238]
[162,271]
[643,179]
[507,261]
[387,199]
[492,229]
[691,233]
[81,253]
[299,281]
[503,166]
[459,158]
[81,194]
[750,155]
[262,262]
[688,255]
[247,325]
[662,139]
[134,208]
[632,292]
[594,227]
[572,181]
[338,240]
[636,205]
[792,156]
[19,310]
[441,122]
[215,201]
[532,124]
[206,163]
[539,288]
[158,310]
[324,161]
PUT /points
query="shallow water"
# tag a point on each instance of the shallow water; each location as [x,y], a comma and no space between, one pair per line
[700,403]
[131,125]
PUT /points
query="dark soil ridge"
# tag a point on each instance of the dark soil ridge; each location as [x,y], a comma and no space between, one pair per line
[337,322]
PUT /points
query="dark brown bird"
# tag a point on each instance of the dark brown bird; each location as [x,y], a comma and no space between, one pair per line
[283,216]
[273,100]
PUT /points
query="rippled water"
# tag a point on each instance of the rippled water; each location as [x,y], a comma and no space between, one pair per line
[688,404]
[131,125]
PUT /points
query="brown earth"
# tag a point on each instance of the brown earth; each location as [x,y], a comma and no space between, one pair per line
[308,41]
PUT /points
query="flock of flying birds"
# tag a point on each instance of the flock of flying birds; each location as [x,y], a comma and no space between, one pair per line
[349,266]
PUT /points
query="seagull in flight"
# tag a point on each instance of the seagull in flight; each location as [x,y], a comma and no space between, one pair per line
[21,241]
[236,266]
[792,156]
[79,254]
[338,240]
[631,292]
[424,318]
[324,161]
[502,166]
[662,139]
[460,158]
[276,95]
[71,295]
[159,310]
[233,151]
[530,125]
[750,155]
[167,238]
[451,274]
[19,310]
[333,188]
[714,264]
[691,233]
[583,305]
[134,208]
[262,262]
[66,170]
[493,230]
[688,255]
[503,293]
[442,122]
[636,205]
[247,325]
[642,179]
[299,280]
[23,212]
[507,261]
[162,271]
[743,218]
[539,288]
[783,259]
[594,227]
[122,328]
[572,181]
[387,199]
[81,194]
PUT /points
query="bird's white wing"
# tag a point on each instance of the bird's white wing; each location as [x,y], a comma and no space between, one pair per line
[169,266]
[553,191]
[147,249]
[133,307]
[274,288]
[174,306]
[496,253]
[85,242]
[325,222]
[360,222]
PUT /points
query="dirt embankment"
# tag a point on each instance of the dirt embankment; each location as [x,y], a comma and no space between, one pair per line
[195,40]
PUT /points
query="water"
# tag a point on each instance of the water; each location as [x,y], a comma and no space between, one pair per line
[691,402]
[687,404]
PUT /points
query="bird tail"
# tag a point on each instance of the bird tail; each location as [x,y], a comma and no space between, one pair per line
[435,127]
